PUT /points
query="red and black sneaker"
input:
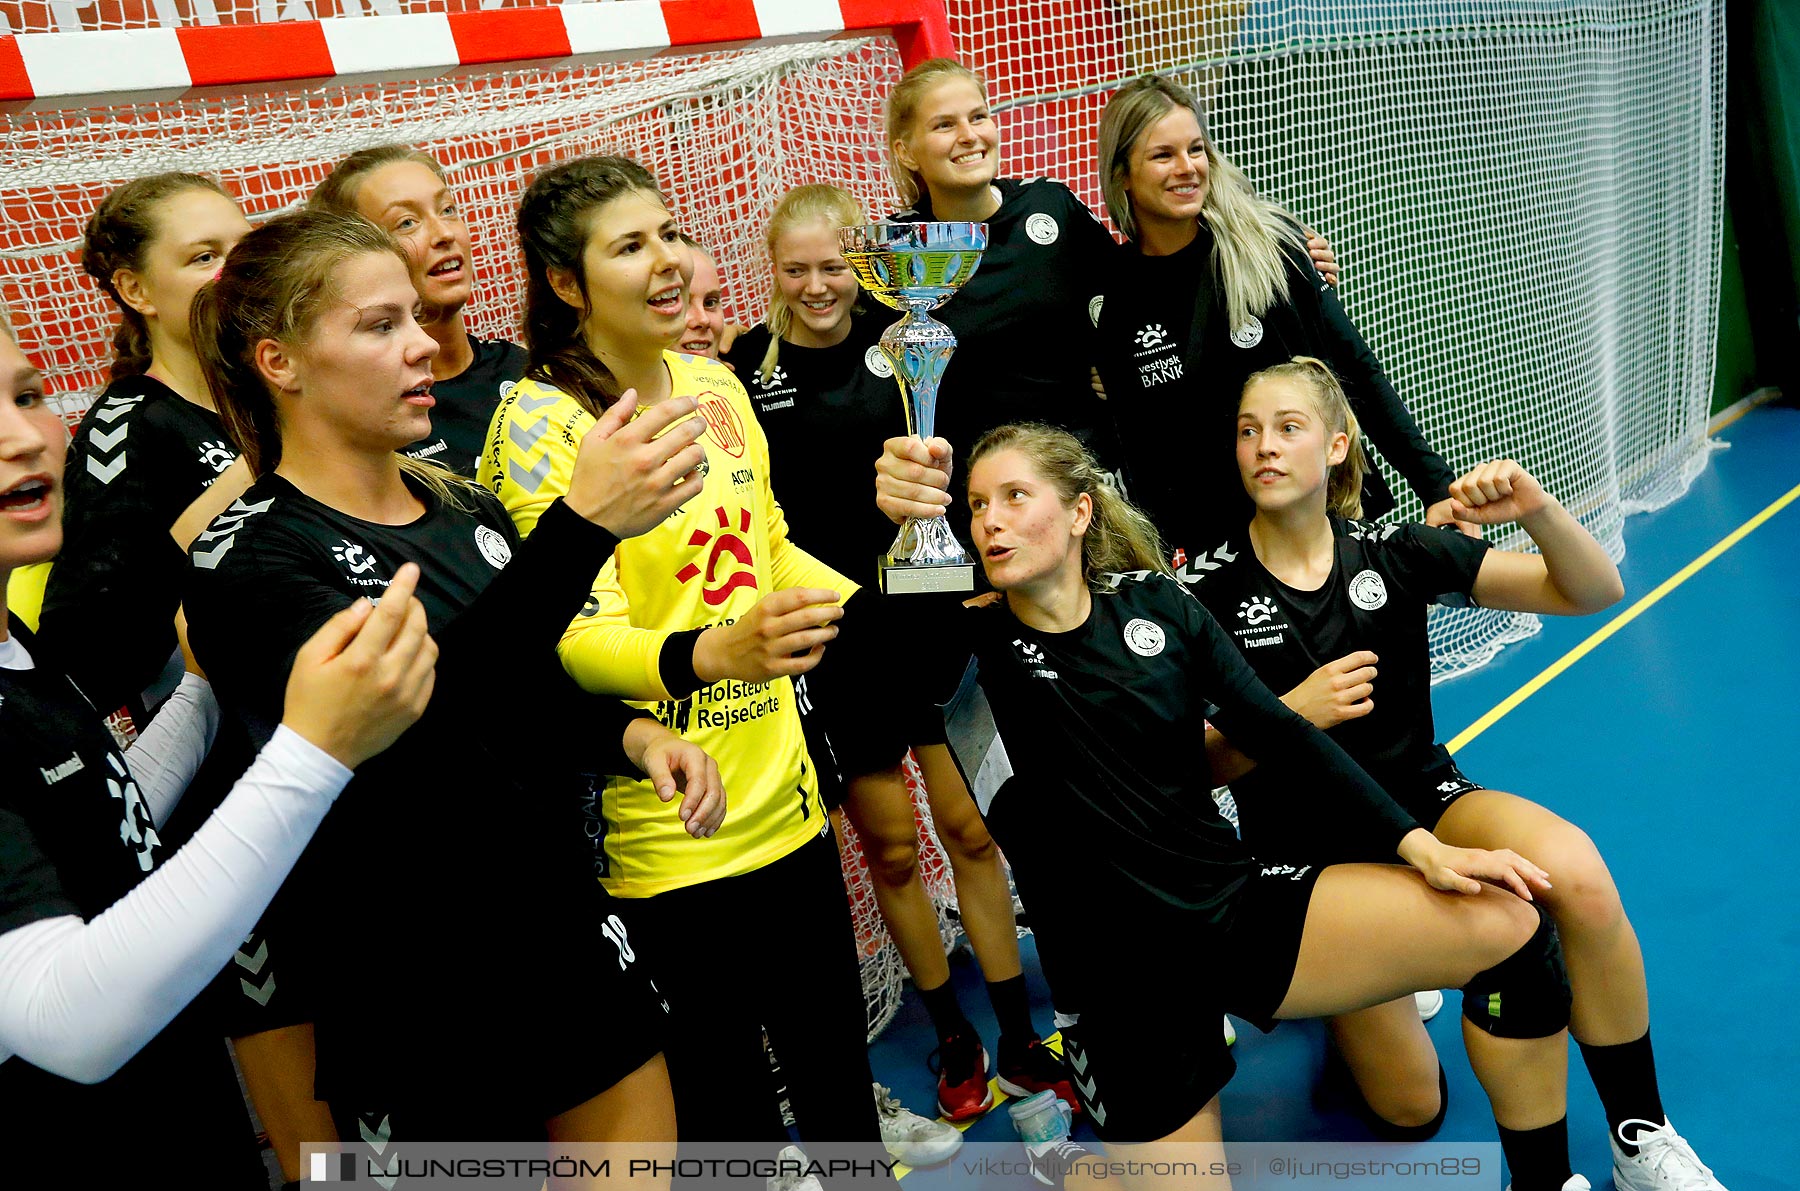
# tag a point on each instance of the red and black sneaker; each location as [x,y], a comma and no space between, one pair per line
[1032,1068]
[961,1064]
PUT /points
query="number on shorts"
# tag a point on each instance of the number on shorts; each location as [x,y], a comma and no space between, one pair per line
[613,929]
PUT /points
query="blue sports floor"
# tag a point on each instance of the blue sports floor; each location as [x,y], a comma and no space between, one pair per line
[1673,742]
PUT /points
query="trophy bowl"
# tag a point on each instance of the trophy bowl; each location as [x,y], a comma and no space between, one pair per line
[915,268]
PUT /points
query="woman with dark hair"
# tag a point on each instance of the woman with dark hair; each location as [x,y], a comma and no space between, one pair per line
[151,443]
[405,190]
[705,619]
[497,1019]
[106,931]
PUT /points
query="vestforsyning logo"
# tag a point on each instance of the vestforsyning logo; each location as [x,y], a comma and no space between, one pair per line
[332,1168]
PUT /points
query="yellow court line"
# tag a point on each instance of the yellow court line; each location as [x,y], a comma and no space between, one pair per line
[1618,622]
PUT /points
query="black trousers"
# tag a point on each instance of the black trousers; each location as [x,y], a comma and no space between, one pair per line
[772,948]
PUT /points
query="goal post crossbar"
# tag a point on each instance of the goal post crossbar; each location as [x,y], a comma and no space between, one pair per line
[59,65]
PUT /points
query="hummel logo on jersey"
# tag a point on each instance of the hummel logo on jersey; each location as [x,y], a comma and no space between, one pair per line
[217,455]
[1152,336]
[72,766]
[357,559]
[1368,531]
[223,531]
[1256,610]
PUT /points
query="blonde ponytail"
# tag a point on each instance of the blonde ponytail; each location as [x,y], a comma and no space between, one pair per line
[1344,485]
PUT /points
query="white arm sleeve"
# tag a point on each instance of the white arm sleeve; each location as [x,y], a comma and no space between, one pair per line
[171,747]
[79,999]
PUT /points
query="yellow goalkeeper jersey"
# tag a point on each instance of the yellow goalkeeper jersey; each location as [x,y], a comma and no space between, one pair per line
[707,564]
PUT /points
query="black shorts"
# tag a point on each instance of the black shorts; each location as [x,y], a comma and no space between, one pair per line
[513,1049]
[1140,1073]
[1427,794]
[864,712]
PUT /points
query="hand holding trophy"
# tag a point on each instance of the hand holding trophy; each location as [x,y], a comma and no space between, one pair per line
[915,268]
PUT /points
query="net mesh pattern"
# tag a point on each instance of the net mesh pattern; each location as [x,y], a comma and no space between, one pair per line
[1526,197]
[1488,172]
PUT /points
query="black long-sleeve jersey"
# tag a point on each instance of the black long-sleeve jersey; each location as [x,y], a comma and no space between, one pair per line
[143,454]
[1382,579]
[826,412]
[75,837]
[466,403]
[1174,371]
[1024,323]
[1107,815]
[449,883]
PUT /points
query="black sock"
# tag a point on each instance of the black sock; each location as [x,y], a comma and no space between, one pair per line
[946,1015]
[1625,1077]
[1539,1157]
[1012,1009]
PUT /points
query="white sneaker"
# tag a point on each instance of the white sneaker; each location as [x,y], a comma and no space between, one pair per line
[1429,1002]
[790,1172]
[1576,1183]
[1664,1161]
[1230,1032]
[911,1138]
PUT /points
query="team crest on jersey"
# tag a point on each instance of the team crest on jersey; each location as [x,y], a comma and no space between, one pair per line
[1042,229]
[217,455]
[720,578]
[493,547]
[723,424]
[1367,591]
[1250,333]
[876,361]
[1095,305]
[1145,637]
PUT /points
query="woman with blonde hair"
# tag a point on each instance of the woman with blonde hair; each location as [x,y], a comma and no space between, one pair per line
[1139,890]
[1214,284]
[492,1014]
[1025,322]
[406,191]
[1341,629]
[827,399]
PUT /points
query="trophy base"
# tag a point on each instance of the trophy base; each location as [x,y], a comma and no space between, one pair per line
[913,578]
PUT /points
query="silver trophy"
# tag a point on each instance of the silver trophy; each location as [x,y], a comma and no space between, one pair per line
[915,268]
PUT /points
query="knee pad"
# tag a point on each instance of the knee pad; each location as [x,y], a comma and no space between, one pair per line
[1525,995]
